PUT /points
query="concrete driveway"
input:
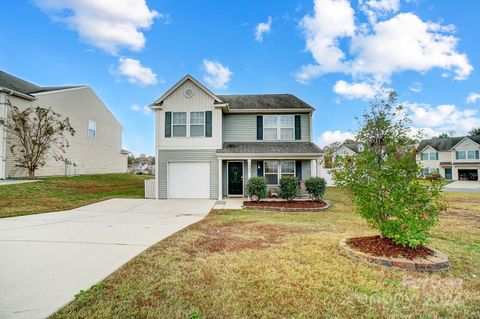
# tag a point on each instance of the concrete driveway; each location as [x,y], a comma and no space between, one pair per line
[46,259]
[463,187]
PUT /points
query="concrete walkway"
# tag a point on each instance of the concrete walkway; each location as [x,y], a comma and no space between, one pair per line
[17,181]
[46,259]
[463,187]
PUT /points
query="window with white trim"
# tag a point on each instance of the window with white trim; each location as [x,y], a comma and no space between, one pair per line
[432,156]
[179,124]
[472,154]
[460,155]
[92,129]
[278,127]
[197,124]
[273,171]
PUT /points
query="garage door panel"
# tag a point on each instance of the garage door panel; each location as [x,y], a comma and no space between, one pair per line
[189,180]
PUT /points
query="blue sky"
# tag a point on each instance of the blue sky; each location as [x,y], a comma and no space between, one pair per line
[336,55]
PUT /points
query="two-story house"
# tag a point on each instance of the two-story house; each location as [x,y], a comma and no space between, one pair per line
[96,147]
[208,145]
[454,158]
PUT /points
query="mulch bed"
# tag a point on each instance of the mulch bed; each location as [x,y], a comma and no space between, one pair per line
[377,246]
[284,204]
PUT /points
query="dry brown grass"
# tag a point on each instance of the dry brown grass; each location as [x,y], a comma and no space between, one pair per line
[255,264]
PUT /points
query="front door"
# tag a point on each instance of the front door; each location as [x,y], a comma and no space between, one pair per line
[235,178]
[448,173]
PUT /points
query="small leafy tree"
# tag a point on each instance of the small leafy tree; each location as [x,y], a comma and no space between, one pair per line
[288,187]
[34,134]
[316,187]
[475,131]
[257,186]
[383,179]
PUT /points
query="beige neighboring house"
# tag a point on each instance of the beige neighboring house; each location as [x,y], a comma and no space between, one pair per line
[96,148]
[454,158]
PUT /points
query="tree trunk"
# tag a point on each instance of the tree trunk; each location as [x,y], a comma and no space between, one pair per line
[31,174]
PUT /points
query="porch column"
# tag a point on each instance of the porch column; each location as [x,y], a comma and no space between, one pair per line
[313,168]
[220,180]
[249,169]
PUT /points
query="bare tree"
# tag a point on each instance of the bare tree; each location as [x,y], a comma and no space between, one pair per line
[34,134]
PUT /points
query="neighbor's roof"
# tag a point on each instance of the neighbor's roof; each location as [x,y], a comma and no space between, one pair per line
[270,147]
[352,146]
[13,83]
[264,101]
[445,144]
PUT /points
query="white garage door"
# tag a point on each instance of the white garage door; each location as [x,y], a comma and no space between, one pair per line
[189,180]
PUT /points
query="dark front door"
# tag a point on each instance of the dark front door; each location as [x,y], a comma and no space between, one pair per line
[235,178]
[448,173]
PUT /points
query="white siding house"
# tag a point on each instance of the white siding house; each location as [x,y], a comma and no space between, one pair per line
[96,147]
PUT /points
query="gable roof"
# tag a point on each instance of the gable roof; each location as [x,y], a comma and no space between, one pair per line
[265,102]
[13,83]
[352,146]
[183,80]
[446,144]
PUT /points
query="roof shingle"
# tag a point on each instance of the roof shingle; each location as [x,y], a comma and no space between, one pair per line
[13,83]
[264,101]
[445,144]
[270,147]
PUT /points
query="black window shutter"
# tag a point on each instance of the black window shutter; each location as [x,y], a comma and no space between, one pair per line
[298,128]
[298,169]
[208,123]
[260,168]
[260,128]
[168,124]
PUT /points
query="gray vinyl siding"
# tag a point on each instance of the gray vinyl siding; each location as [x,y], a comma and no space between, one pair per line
[166,156]
[243,127]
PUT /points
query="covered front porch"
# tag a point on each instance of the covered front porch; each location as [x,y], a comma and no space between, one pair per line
[238,162]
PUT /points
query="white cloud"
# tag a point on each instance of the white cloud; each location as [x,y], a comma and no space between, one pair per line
[328,137]
[137,108]
[443,118]
[217,75]
[361,90]
[135,72]
[107,24]
[472,97]
[372,52]
[416,87]
[263,28]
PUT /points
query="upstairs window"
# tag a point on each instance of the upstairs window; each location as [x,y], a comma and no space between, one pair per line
[460,155]
[197,124]
[434,156]
[278,127]
[179,123]
[92,129]
[424,156]
[473,154]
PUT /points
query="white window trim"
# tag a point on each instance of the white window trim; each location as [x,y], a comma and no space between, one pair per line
[190,123]
[186,125]
[279,170]
[279,128]
[458,157]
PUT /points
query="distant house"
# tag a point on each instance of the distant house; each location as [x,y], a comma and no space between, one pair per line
[96,147]
[454,158]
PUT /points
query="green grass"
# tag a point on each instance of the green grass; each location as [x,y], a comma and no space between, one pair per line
[256,264]
[60,193]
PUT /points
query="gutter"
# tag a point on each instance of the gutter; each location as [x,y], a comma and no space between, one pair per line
[22,95]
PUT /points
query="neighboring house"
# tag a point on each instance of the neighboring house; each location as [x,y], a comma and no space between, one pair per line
[454,158]
[96,147]
[344,150]
[208,145]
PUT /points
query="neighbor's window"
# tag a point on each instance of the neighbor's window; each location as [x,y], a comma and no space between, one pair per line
[434,170]
[278,127]
[197,124]
[426,171]
[92,129]
[473,155]
[424,156]
[271,172]
[460,155]
[434,156]
[288,168]
[179,123]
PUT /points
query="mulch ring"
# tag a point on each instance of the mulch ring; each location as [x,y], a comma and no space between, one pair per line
[377,246]
[295,205]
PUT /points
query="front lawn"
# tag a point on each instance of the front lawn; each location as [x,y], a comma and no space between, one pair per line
[60,193]
[257,264]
